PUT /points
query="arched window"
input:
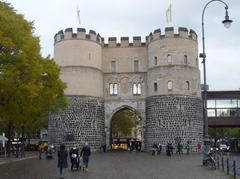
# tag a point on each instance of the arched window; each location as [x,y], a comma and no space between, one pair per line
[169,59]
[155,86]
[185,60]
[187,85]
[137,88]
[113,88]
[155,60]
[170,85]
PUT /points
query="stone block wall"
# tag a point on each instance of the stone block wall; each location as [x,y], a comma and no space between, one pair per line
[172,118]
[82,121]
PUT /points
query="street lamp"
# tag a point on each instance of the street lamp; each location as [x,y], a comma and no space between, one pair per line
[227,23]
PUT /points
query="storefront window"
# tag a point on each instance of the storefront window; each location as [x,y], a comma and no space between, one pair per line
[223,112]
[226,103]
[211,104]
[211,113]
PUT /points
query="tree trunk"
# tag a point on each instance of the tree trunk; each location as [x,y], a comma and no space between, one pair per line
[23,141]
[9,139]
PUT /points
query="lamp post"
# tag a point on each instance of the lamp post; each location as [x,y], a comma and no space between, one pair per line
[227,23]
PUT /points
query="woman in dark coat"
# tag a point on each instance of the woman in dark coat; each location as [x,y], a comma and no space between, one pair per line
[62,160]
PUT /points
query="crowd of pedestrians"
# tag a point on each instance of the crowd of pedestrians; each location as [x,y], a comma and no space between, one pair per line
[157,148]
[79,159]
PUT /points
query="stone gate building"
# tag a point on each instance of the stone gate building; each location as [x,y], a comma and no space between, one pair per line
[159,79]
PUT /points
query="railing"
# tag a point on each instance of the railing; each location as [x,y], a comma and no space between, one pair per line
[227,164]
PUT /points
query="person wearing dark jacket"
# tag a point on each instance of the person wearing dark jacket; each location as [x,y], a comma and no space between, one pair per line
[62,160]
[74,154]
[85,153]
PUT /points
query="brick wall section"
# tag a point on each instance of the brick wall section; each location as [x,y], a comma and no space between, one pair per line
[83,119]
[172,117]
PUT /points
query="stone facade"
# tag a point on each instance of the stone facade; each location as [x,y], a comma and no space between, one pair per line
[172,118]
[82,121]
[159,79]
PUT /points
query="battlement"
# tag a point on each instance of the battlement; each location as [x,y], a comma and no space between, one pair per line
[81,34]
[169,33]
[124,41]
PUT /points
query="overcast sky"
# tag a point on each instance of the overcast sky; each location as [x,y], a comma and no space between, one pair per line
[118,18]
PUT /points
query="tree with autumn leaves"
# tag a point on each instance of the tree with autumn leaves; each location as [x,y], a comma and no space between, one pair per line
[30,86]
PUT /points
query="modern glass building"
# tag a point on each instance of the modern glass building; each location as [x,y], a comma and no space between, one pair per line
[223,108]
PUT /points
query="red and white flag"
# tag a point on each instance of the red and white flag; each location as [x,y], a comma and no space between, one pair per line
[78,15]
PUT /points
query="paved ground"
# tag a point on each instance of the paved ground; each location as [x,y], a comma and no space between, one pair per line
[116,165]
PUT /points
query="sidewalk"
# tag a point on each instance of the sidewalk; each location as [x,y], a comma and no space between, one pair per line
[28,155]
[117,165]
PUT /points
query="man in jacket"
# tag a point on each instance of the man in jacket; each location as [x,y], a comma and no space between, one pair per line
[85,153]
[62,160]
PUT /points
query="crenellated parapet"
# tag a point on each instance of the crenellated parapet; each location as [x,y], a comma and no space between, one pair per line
[125,42]
[136,41]
[169,33]
[80,35]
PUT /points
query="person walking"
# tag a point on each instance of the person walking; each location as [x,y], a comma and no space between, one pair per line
[85,153]
[74,157]
[62,160]
[40,153]
[188,147]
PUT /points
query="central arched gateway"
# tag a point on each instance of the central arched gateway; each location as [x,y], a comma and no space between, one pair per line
[126,127]
[114,110]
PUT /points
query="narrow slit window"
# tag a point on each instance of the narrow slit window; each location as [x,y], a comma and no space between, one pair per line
[187,85]
[113,66]
[170,85]
[155,60]
[136,65]
[169,59]
[155,86]
[185,60]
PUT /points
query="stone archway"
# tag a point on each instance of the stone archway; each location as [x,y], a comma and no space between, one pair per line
[125,125]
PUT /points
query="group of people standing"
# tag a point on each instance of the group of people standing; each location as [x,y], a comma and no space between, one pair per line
[75,158]
[134,144]
[157,148]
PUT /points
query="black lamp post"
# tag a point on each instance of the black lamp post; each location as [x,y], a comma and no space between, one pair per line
[227,23]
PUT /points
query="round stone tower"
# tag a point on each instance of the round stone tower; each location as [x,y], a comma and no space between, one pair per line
[80,58]
[173,102]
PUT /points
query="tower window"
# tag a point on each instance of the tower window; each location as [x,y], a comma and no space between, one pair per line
[187,85]
[155,60]
[137,88]
[155,86]
[135,65]
[169,59]
[113,88]
[185,60]
[113,66]
[170,85]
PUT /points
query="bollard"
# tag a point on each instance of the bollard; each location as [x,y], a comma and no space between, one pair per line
[222,164]
[218,161]
[234,169]
[227,166]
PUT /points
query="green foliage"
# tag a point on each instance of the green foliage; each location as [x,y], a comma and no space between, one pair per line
[123,122]
[29,84]
[218,133]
